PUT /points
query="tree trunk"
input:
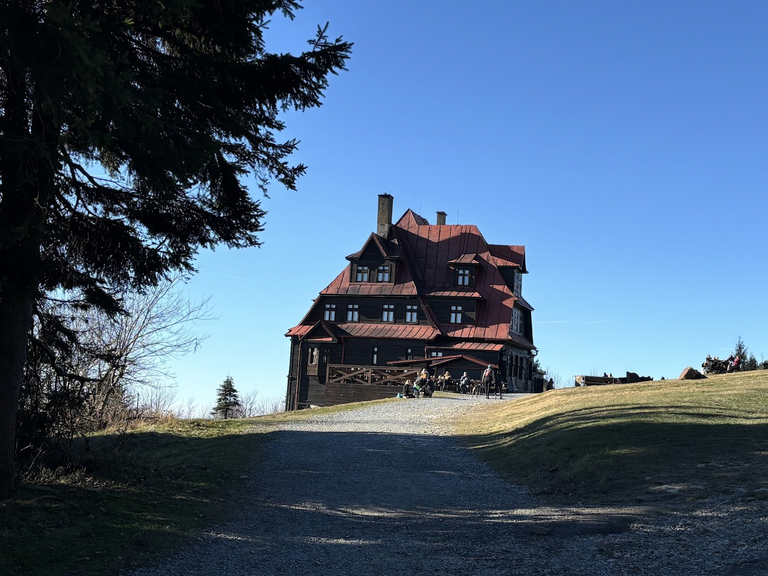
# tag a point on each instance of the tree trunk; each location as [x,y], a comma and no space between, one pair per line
[28,161]
[15,320]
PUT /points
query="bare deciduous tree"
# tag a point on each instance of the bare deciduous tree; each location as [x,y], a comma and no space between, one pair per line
[94,370]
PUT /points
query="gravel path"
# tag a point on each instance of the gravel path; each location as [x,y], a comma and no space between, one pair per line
[387,490]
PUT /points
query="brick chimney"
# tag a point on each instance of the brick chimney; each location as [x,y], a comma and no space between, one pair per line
[384,216]
[441,218]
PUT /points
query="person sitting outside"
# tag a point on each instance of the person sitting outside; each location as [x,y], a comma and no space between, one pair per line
[465,384]
[423,386]
[447,380]
[408,389]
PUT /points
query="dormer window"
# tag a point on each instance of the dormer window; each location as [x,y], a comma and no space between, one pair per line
[388,313]
[361,273]
[329,313]
[517,321]
[411,314]
[518,289]
[463,277]
[383,273]
[353,313]
[456,312]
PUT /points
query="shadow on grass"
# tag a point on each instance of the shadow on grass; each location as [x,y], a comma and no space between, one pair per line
[127,499]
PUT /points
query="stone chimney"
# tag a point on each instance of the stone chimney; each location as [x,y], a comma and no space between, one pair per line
[384,216]
[441,218]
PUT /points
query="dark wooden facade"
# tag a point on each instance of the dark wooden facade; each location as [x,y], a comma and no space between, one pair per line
[416,295]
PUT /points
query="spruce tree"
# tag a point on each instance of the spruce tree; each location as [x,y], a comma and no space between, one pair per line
[228,403]
[125,131]
[748,361]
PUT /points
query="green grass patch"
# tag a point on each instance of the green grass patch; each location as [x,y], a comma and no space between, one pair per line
[699,439]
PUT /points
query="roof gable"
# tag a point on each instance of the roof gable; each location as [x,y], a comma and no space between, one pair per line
[410,218]
[376,246]
[318,332]
[512,256]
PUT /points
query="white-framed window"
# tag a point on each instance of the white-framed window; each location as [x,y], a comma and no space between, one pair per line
[463,277]
[434,354]
[456,311]
[517,321]
[313,355]
[353,314]
[329,313]
[374,355]
[387,312]
[383,273]
[411,313]
[518,283]
[361,273]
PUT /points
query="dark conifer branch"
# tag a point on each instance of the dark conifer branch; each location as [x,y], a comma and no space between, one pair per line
[177,103]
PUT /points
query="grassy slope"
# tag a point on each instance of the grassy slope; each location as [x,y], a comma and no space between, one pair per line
[698,439]
[133,496]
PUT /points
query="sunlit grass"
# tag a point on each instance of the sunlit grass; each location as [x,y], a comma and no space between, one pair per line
[620,441]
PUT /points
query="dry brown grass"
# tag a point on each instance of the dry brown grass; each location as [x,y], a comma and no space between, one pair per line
[634,441]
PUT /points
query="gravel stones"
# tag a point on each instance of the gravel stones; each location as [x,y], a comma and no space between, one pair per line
[386,490]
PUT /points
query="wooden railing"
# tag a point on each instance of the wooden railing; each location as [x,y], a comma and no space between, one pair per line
[370,375]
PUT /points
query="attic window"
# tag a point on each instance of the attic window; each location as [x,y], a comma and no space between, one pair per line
[518,289]
[388,313]
[463,277]
[383,273]
[329,313]
[456,314]
[517,321]
[361,273]
[411,313]
[353,313]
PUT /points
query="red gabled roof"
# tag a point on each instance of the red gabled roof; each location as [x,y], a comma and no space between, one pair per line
[484,346]
[466,259]
[402,286]
[399,331]
[318,332]
[363,330]
[427,255]
[508,255]
[448,359]
[438,360]
[456,293]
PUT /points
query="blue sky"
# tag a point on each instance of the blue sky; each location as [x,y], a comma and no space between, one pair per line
[625,144]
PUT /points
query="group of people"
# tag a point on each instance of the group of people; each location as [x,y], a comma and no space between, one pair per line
[717,366]
[425,385]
